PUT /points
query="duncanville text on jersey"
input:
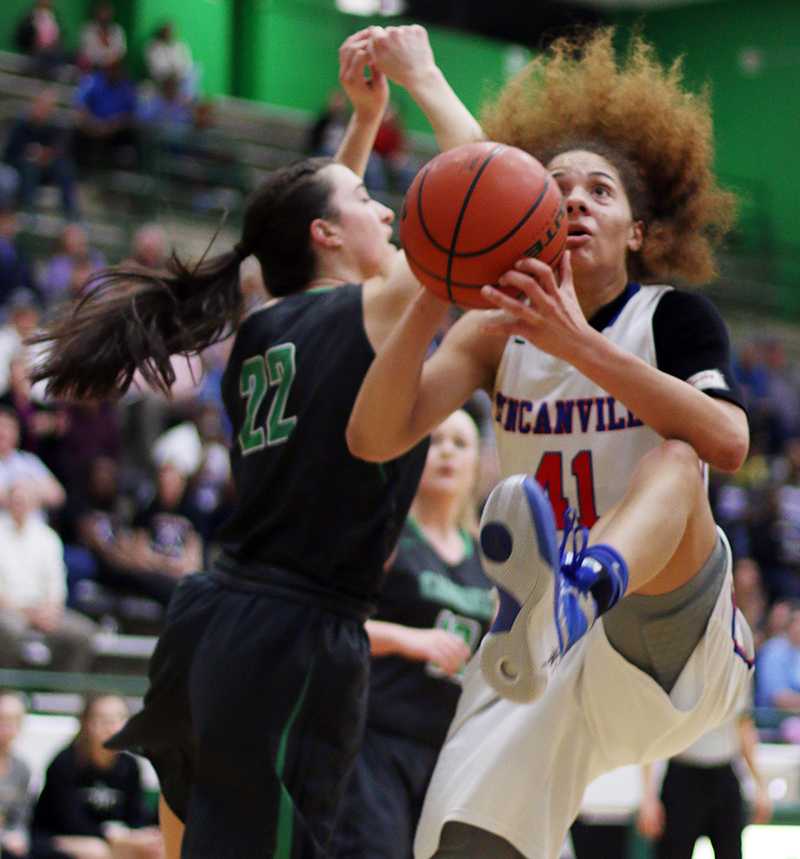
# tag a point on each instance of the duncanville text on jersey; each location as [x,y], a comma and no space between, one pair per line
[562,417]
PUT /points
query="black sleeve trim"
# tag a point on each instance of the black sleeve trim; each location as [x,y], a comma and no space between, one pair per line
[692,344]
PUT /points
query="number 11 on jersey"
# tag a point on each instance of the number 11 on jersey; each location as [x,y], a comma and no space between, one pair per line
[550,476]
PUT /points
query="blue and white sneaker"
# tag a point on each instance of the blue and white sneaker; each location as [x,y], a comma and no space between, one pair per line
[545,600]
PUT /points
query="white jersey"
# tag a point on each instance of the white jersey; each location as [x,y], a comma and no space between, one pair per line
[553,422]
[520,770]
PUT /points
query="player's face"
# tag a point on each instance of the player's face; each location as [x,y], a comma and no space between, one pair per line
[602,230]
[452,463]
[362,225]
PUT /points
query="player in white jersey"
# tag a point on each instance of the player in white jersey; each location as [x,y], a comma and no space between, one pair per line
[613,394]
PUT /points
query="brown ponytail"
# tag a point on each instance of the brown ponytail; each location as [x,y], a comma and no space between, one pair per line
[131,319]
[135,319]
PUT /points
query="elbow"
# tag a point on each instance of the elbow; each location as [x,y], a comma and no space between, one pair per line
[732,452]
[362,444]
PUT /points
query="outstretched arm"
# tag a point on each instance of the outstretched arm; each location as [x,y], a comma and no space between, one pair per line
[405,56]
[403,396]
[368,95]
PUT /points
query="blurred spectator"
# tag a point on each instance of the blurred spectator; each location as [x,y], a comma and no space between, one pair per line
[92,804]
[39,36]
[102,40]
[37,149]
[165,533]
[327,132]
[168,58]
[329,127]
[199,450]
[9,186]
[75,262]
[92,431]
[778,617]
[783,392]
[16,800]
[750,596]
[778,668]
[15,270]
[94,517]
[106,130]
[42,424]
[392,149]
[23,312]
[150,247]
[166,107]
[776,528]
[17,465]
[35,626]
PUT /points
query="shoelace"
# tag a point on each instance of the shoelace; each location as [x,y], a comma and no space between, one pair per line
[573,569]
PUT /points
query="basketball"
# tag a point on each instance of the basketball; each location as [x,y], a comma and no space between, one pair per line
[472,212]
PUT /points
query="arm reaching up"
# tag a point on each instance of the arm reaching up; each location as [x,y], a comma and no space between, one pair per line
[368,95]
[405,56]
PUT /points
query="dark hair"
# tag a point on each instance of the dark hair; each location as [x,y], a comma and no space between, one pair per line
[131,318]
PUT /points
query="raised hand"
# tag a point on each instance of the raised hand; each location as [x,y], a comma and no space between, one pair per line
[403,54]
[368,95]
[549,316]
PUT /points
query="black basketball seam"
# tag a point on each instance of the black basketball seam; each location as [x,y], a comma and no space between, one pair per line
[462,213]
[467,254]
[441,277]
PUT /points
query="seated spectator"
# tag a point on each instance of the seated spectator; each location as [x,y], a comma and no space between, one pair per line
[106,128]
[165,107]
[16,800]
[102,40]
[20,466]
[778,668]
[92,804]
[43,424]
[198,449]
[33,589]
[165,536]
[92,431]
[168,58]
[9,186]
[391,148]
[327,131]
[23,313]
[39,36]
[15,270]
[59,280]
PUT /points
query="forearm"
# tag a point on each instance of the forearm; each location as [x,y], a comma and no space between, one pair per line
[386,639]
[449,118]
[356,145]
[381,425]
[749,741]
[670,406]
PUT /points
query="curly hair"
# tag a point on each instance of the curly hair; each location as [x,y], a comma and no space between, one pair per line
[639,116]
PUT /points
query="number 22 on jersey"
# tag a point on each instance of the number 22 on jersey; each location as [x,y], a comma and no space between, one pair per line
[550,476]
[275,368]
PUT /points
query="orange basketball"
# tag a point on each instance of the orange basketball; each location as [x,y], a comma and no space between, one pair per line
[472,212]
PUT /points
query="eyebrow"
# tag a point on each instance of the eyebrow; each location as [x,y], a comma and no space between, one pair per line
[562,170]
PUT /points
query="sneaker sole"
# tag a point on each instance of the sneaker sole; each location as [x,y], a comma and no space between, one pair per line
[516,662]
